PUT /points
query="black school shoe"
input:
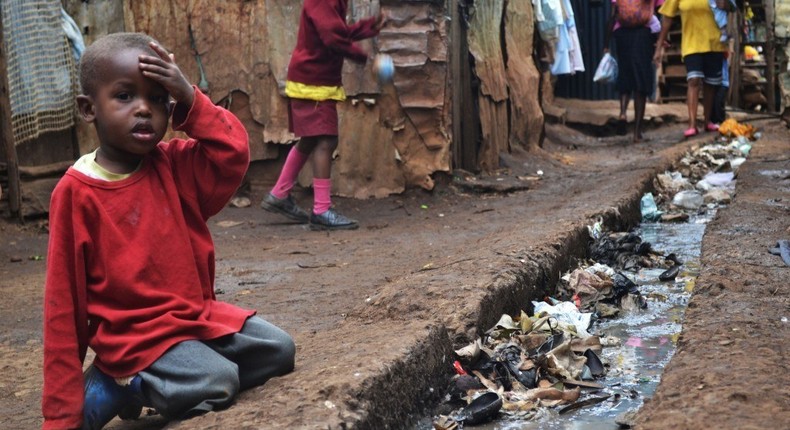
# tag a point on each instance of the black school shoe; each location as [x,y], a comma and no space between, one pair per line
[286,207]
[331,220]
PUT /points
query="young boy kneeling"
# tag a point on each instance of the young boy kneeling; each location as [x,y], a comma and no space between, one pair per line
[130,269]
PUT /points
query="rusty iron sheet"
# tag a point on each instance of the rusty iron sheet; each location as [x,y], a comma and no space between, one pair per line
[526,117]
[493,121]
[486,47]
[416,38]
[245,47]
[239,49]
[368,156]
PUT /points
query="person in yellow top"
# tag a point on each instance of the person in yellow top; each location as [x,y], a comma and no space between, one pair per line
[702,52]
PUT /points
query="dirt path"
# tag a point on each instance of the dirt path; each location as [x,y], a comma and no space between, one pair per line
[375,312]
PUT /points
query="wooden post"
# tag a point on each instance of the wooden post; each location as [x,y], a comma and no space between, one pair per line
[466,120]
[770,54]
[455,76]
[14,192]
[735,61]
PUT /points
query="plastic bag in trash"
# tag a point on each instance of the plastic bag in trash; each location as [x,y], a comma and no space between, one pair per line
[649,209]
[720,179]
[673,181]
[716,180]
[568,313]
[688,200]
[742,144]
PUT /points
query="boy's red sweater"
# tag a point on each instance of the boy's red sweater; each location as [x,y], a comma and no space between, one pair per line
[130,268]
[324,40]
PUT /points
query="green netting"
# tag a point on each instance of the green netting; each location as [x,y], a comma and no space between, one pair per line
[41,69]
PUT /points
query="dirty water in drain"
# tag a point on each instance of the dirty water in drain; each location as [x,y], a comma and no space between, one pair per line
[647,337]
[588,357]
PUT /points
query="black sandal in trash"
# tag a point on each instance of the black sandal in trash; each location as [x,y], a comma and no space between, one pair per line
[482,409]
[594,363]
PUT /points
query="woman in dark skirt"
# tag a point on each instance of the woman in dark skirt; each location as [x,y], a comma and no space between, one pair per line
[634,46]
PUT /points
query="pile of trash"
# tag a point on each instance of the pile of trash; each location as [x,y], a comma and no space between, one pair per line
[551,361]
[526,365]
[703,179]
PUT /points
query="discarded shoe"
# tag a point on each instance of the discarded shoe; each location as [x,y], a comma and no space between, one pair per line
[501,375]
[670,274]
[482,409]
[512,356]
[711,126]
[691,132]
[105,398]
[286,207]
[622,285]
[331,220]
[594,363]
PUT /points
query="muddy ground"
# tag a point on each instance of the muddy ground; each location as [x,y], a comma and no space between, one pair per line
[376,312]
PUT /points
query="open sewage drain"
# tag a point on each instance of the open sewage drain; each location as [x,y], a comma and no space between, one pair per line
[588,356]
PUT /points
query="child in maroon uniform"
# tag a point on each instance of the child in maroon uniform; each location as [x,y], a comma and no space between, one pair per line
[130,269]
[314,86]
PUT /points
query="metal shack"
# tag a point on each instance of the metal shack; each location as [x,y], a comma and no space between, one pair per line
[466,86]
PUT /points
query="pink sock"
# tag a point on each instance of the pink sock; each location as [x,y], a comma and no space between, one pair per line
[321,195]
[293,164]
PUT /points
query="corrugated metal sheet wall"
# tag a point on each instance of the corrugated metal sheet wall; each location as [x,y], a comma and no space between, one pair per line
[591,16]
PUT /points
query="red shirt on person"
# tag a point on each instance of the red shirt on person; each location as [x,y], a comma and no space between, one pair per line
[130,268]
[324,40]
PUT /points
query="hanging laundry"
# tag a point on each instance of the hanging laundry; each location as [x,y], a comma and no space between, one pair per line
[548,14]
[568,55]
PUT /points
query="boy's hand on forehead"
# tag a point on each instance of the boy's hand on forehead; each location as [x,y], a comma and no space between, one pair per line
[164,70]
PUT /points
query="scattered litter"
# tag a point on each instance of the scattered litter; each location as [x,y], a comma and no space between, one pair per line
[240,202]
[688,199]
[649,208]
[589,402]
[557,359]
[732,128]
[673,181]
[482,409]
[566,312]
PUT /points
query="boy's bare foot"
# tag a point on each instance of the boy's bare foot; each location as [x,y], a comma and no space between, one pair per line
[639,139]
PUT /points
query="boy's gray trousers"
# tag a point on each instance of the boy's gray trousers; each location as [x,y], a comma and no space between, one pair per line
[195,377]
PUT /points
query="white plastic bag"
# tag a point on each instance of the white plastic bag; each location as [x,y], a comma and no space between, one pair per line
[607,70]
[567,313]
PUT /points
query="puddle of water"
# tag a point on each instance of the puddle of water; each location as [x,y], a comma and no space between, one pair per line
[648,337]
